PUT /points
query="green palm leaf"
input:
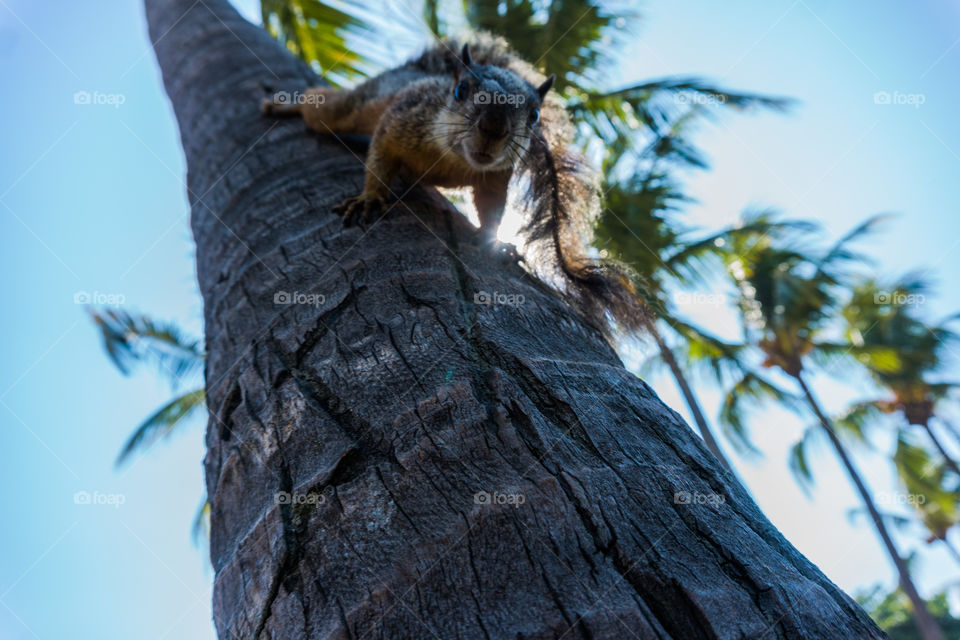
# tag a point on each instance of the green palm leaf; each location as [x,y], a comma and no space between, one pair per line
[701,350]
[320,33]
[751,391]
[798,459]
[575,39]
[162,423]
[859,418]
[841,254]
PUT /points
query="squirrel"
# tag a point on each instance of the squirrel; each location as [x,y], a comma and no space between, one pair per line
[481,118]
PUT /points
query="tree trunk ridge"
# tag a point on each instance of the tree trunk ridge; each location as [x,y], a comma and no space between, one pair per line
[454,469]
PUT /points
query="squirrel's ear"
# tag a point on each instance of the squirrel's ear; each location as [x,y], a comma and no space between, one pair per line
[465,61]
[542,89]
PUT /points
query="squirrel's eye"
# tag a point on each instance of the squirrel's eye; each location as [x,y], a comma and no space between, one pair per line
[460,91]
[534,117]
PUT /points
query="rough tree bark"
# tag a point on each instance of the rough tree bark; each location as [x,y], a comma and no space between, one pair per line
[395,407]
[693,403]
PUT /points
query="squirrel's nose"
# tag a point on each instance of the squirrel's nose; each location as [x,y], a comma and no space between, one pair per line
[493,124]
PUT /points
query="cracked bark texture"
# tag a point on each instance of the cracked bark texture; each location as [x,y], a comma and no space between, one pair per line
[392,408]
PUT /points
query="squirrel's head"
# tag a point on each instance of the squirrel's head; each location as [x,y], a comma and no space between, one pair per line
[491,114]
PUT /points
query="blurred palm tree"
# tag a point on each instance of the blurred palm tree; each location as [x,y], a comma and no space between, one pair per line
[136,340]
[901,353]
[788,294]
[931,490]
[639,227]
[893,613]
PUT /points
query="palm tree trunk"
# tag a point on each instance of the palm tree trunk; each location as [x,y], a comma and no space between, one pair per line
[952,549]
[928,627]
[388,458]
[939,446]
[688,395]
[951,428]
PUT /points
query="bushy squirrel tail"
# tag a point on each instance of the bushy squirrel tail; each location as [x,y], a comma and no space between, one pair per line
[562,204]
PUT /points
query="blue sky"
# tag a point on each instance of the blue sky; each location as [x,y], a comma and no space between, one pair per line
[92,200]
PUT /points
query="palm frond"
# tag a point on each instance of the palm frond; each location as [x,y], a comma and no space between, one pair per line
[162,423]
[750,392]
[859,418]
[200,528]
[931,490]
[798,460]
[132,340]
[693,90]
[836,358]
[702,350]
[323,34]
[840,253]
[652,122]
[856,514]
[578,40]
[688,255]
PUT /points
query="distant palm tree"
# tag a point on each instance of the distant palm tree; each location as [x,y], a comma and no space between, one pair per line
[930,489]
[639,228]
[788,296]
[901,353]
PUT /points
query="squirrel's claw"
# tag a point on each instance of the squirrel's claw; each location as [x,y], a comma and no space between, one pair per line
[361,208]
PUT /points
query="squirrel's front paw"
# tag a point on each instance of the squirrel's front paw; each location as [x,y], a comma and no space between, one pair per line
[360,208]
